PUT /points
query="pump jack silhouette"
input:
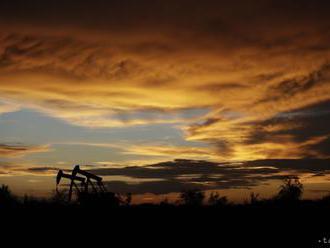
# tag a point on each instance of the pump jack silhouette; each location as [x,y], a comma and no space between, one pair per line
[88,181]
[90,177]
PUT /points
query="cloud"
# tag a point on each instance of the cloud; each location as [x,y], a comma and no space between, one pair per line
[6,107]
[171,151]
[306,129]
[113,64]
[182,174]
[302,165]
[169,177]
[297,133]
[159,151]
[291,87]
[16,150]
[48,170]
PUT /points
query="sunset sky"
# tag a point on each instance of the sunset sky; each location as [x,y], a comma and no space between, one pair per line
[240,89]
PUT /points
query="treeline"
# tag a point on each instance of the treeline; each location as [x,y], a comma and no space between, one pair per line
[290,194]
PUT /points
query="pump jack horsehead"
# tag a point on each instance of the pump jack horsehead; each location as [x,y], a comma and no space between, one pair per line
[87,180]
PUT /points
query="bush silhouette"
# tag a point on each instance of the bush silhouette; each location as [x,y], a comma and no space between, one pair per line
[290,194]
[254,198]
[194,197]
[7,199]
[290,191]
[216,200]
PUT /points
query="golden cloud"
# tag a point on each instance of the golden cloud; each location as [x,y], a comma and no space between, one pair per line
[8,151]
[106,72]
[173,152]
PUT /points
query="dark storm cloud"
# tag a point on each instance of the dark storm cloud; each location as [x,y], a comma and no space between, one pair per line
[302,126]
[176,176]
[290,87]
[175,186]
[316,166]
[59,56]
[322,147]
[208,18]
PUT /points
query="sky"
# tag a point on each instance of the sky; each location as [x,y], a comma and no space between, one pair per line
[159,96]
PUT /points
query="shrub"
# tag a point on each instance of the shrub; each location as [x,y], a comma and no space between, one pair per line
[216,200]
[290,191]
[194,197]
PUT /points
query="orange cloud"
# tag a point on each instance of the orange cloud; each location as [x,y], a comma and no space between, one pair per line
[7,151]
[107,71]
[172,152]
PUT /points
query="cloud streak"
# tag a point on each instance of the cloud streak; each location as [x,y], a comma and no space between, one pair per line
[175,176]
[16,150]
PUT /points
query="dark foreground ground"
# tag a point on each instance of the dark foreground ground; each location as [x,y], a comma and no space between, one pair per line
[110,220]
[235,226]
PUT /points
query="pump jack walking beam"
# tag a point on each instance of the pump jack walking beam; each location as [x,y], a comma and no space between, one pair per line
[90,177]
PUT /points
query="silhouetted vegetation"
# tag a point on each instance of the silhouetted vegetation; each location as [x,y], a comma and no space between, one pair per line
[290,194]
[291,191]
[192,198]
[254,198]
[216,200]
[7,199]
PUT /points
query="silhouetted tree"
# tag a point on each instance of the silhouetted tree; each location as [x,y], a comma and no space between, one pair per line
[254,198]
[216,200]
[194,197]
[7,199]
[290,191]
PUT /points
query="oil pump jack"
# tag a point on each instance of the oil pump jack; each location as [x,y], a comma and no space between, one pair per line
[89,179]
[73,183]
[99,188]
